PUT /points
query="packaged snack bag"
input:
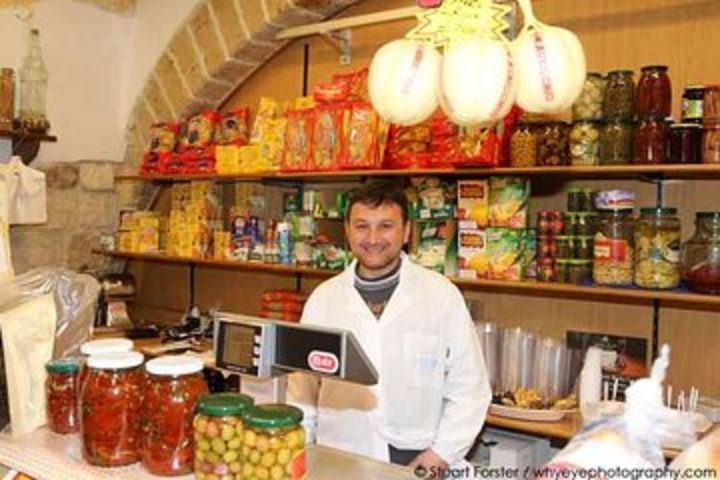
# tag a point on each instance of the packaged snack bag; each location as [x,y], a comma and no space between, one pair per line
[472,254]
[473,203]
[234,128]
[163,137]
[509,201]
[328,137]
[199,130]
[505,251]
[298,140]
[268,109]
[361,136]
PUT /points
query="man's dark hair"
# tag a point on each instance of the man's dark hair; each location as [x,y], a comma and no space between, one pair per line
[380,193]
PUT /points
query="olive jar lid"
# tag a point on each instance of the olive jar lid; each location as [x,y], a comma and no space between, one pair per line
[273,416]
[224,404]
[63,365]
[658,211]
[707,215]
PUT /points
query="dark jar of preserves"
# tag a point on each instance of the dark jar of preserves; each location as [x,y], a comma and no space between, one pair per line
[654,92]
[61,390]
[650,140]
[111,407]
[174,385]
[619,101]
[553,147]
[685,144]
[700,255]
[692,104]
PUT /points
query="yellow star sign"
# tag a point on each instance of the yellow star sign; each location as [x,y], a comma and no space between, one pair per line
[457,20]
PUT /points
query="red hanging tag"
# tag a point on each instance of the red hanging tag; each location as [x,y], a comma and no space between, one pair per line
[429,3]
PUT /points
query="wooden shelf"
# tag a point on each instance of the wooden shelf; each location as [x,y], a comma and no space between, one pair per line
[561,290]
[25,143]
[619,171]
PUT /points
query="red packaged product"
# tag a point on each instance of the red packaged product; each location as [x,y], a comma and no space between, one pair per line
[285,316]
[333,92]
[355,81]
[234,128]
[111,407]
[198,161]
[163,137]
[328,137]
[61,389]
[362,130]
[287,307]
[174,386]
[170,163]
[151,163]
[283,296]
[199,130]
[298,140]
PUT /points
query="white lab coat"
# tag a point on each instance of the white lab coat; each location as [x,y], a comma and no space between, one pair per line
[433,389]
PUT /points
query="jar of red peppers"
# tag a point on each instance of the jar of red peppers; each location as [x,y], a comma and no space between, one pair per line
[103,345]
[654,93]
[220,436]
[61,390]
[111,407]
[700,256]
[650,140]
[174,385]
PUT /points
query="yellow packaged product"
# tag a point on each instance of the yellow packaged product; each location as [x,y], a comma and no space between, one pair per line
[304,103]
[473,259]
[272,143]
[509,202]
[221,245]
[473,203]
[267,110]
[227,159]
[251,162]
[125,241]
[506,251]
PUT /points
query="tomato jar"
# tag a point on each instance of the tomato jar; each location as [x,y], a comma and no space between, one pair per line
[700,255]
[692,104]
[61,390]
[174,385]
[711,143]
[111,408]
[275,443]
[619,99]
[650,140]
[685,144]
[103,345]
[220,435]
[654,92]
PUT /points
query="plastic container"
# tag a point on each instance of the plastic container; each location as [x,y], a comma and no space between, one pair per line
[616,142]
[523,146]
[219,435]
[614,247]
[654,91]
[619,100]
[700,255]
[275,442]
[174,386]
[585,143]
[61,390]
[657,242]
[111,407]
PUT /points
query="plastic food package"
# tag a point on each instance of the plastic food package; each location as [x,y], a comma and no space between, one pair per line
[267,110]
[506,253]
[328,137]
[234,128]
[298,140]
[199,130]
[509,201]
[163,137]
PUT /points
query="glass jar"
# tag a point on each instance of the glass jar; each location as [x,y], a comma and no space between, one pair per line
[219,435]
[657,243]
[275,442]
[523,146]
[711,104]
[547,246]
[711,143]
[585,143]
[103,345]
[546,269]
[553,145]
[619,100]
[579,271]
[564,246]
[562,270]
[583,247]
[616,142]
[654,92]
[685,143]
[111,407]
[650,141]
[614,248]
[692,104]
[585,225]
[589,105]
[61,393]
[174,385]
[570,220]
[33,87]
[700,255]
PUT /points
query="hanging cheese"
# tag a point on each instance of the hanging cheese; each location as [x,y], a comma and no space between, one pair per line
[550,65]
[477,81]
[403,81]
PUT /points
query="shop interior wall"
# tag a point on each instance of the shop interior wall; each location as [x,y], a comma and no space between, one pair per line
[615,34]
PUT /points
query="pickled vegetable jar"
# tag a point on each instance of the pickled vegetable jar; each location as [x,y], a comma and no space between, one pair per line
[103,345]
[275,443]
[657,243]
[654,92]
[711,143]
[616,141]
[650,140]
[589,105]
[523,146]
[61,390]
[220,435]
[711,103]
[685,144]
[553,145]
[174,386]
[692,104]
[585,143]
[700,256]
[619,100]
[614,247]
[111,407]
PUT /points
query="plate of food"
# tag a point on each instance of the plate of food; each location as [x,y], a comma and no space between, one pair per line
[528,404]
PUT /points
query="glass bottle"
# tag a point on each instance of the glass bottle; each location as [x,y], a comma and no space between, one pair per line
[33,86]
[553,150]
[61,389]
[711,143]
[700,256]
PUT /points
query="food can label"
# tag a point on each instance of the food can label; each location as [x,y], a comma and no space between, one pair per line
[692,109]
[611,250]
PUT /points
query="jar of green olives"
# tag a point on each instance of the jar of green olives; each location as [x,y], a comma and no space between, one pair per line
[585,143]
[220,435]
[274,443]
[589,105]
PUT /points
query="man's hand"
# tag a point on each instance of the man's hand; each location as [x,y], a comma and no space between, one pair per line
[428,465]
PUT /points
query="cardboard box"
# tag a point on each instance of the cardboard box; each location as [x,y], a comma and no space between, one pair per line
[473,204]
[472,254]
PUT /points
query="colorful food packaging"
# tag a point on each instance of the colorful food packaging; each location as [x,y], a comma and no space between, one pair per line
[222,245]
[473,203]
[234,128]
[505,251]
[356,83]
[272,144]
[199,130]
[328,137]
[473,259]
[509,201]
[268,109]
[298,140]
[163,137]
[362,129]
[431,198]
[434,246]
[227,159]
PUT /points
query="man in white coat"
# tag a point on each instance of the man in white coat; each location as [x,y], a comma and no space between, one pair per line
[433,394]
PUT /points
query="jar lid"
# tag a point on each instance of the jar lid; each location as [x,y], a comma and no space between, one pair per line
[273,416]
[695,87]
[621,72]
[115,360]
[106,345]
[615,200]
[653,67]
[224,404]
[63,365]
[695,126]
[658,211]
[174,365]
[705,215]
